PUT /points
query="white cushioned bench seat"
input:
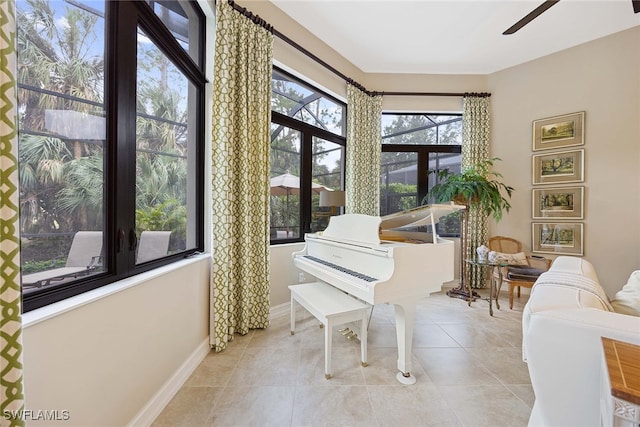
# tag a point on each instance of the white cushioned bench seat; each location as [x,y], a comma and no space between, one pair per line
[331,307]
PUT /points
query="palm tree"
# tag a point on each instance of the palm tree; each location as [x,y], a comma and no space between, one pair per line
[56,72]
[57,58]
[42,164]
[161,159]
[83,193]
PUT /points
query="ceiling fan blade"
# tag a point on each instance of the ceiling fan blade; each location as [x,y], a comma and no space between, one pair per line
[534,14]
[636,6]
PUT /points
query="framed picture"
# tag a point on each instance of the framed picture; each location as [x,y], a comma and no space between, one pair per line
[560,167]
[559,131]
[557,203]
[560,238]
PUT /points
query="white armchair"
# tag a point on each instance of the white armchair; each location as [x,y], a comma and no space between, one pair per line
[563,322]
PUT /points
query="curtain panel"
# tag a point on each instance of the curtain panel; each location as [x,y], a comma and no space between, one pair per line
[476,131]
[240,170]
[11,385]
[364,141]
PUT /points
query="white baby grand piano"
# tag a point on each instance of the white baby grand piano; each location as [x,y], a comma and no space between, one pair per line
[380,260]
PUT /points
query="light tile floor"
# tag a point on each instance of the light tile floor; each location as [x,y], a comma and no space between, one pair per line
[468,367]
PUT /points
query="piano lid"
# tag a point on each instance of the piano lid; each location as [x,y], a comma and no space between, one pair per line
[422,215]
[353,227]
[366,229]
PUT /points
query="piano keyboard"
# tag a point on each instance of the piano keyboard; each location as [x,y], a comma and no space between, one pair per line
[341,269]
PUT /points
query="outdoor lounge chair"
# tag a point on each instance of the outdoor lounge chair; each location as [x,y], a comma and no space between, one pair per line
[85,249]
[152,245]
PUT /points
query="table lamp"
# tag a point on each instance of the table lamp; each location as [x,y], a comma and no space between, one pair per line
[332,199]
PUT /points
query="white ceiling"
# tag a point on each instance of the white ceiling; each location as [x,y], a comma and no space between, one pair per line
[453,36]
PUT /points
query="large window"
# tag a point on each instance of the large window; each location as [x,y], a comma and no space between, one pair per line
[307,156]
[111,106]
[414,148]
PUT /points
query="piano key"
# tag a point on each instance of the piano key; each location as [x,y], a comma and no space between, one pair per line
[341,269]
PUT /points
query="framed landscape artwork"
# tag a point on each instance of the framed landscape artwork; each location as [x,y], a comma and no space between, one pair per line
[559,131]
[557,238]
[557,203]
[561,167]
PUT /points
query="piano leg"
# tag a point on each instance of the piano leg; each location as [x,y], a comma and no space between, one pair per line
[405,315]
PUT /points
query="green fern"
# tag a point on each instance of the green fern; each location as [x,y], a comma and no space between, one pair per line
[477,185]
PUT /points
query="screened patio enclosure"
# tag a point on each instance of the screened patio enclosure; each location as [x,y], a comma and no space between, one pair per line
[307,156]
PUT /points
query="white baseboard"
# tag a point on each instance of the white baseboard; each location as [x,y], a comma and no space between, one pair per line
[279,310]
[157,403]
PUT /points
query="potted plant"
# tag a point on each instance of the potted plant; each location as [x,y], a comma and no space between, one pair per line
[478,186]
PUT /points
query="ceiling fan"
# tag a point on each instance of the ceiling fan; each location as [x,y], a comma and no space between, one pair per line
[543,7]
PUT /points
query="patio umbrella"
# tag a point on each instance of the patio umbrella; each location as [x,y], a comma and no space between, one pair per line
[289,185]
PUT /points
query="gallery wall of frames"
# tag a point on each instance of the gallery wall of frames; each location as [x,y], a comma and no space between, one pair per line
[557,196]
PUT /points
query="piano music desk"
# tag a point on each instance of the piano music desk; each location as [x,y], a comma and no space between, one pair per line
[331,307]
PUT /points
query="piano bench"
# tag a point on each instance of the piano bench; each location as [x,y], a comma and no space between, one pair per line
[331,307]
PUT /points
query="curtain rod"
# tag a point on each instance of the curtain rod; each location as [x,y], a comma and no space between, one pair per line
[259,21]
[458,94]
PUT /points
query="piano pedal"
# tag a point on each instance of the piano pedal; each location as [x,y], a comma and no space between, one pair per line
[348,334]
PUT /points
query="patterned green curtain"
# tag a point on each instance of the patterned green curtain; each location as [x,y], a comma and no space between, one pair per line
[476,131]
[364,140]
[11,321]
[240,170]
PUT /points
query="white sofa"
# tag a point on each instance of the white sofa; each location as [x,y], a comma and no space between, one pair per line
[563,321]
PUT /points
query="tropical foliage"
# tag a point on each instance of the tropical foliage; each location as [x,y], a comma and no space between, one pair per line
[62,129]
[55,59]
[400,167]
[476,185]
[397,197]
[418,129]
[293,99]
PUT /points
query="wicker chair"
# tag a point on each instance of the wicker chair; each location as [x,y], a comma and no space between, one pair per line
[517,276]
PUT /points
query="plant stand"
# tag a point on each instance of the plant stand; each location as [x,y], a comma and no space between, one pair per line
[463,291]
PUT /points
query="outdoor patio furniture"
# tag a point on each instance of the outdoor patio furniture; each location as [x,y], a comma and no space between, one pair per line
[85,249]
[152,245]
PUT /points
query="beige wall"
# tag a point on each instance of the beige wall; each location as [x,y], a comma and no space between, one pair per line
[105,360]
[601,78]
[430,83]
[283,273]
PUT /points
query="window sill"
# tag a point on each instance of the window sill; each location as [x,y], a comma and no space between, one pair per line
[285,244]
[44,313]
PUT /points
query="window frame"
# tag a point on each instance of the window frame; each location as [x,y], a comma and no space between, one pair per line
[122,19]
[307,133]
[423,152]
